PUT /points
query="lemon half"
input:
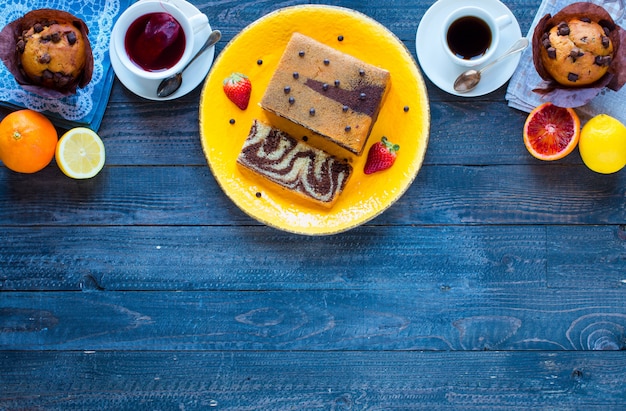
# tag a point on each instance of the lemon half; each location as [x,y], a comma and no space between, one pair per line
[80,153]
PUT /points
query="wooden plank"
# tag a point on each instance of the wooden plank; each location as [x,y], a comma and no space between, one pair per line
[201,258]
[190,196]
[136,258]
[414,318]
[305,380]
[583,259]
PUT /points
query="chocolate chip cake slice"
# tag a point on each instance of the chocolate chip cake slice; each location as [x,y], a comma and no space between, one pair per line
[329,92]
[295,166]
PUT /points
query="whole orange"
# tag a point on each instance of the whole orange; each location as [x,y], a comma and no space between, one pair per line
[27,141]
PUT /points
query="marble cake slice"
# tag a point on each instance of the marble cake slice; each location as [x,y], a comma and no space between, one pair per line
[295,166]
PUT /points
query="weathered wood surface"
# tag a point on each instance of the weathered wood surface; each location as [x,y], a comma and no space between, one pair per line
[353,380]
[496,282]
[448,317]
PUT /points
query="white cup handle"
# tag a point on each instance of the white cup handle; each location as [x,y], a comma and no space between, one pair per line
[503,21]
[198,22]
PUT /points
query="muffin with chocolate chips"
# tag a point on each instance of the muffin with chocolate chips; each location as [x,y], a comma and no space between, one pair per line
[51,51]
[578,52]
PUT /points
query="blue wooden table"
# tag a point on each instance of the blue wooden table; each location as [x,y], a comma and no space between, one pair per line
[496,282]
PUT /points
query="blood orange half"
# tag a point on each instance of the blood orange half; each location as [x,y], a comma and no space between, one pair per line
[551,132]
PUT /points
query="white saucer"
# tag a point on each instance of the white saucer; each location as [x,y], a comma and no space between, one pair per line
[438,67]
[193,76]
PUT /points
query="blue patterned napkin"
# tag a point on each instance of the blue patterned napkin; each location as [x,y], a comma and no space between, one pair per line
[85,108]
[525,79]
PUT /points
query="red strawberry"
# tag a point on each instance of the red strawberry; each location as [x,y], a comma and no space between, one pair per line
[381,156]
[237,87]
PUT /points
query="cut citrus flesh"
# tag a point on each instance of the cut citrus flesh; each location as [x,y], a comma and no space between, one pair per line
[551,132]
[80,153]
[602,144]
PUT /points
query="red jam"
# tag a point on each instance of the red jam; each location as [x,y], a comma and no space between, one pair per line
[155,41]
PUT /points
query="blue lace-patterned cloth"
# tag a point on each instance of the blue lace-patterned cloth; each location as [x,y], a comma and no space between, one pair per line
[519,92]
[85,108]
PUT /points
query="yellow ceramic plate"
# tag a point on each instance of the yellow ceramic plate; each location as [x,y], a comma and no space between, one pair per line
[256,52]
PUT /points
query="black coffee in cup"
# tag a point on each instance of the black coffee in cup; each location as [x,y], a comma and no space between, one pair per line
[469,37]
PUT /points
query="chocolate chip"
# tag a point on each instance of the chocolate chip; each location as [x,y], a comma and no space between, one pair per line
[44,58]
[45,39]
[61,80]
[348,128]
[312,111]
[296,75]
[337,82]
[47,75]
[563,29]
[20,46]
[572,77]
[231,121]
[602,61]
[325,86]
[71,38]
[292,100]
[259,62]
[344,109]
[406,108]
[301,53]
[362,96]
[56,37]
[607,30]
[326,62]
[287,89]
[551,52]
[37,28]
[575,54]
[585,19]
[606,42]
[340,38]
[361,72]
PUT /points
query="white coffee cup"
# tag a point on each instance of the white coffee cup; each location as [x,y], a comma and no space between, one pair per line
[190,25]
[470,35]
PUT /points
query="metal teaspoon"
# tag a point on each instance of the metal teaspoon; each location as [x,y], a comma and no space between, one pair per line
[470,78]
[169,85]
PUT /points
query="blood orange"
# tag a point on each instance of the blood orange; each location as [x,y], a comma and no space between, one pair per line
[551,132]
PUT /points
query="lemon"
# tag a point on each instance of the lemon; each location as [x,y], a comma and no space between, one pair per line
[602,144]
[80,153]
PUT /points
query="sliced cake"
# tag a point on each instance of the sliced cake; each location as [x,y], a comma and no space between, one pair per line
[295,166]
[329,92]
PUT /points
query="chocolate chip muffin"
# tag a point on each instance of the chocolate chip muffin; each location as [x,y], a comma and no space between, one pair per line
[52,54]
[48,52]
[577,52]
